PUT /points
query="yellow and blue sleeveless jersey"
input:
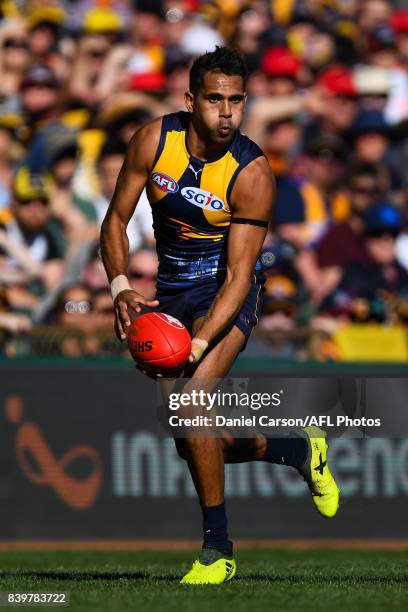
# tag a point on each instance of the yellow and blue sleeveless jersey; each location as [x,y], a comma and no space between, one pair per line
[190,202]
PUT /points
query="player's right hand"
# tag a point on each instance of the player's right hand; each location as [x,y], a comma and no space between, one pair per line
[124,300]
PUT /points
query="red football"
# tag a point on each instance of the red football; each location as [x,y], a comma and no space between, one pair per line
[159,342]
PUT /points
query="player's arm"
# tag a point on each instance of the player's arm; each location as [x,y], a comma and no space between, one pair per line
[132,179]
[252,199]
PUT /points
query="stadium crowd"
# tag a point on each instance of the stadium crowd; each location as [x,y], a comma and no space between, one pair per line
[328,103]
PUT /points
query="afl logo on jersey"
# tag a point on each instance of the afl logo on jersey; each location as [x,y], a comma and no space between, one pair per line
[164,182]
[202,198]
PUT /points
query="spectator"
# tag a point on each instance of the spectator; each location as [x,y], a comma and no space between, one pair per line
[363,290]
[337,115]
[342,245]
[371,137]
[14,58]
[40,94]
[323,201]
[281,68]
[109,164]
[72,315]
[278,320]
[143,272]
[364,191]
[177,72]
[31,249]
[44,34]
[73,303]
[100,30]
[75,214]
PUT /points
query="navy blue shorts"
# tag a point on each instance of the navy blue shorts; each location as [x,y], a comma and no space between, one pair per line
[194,302]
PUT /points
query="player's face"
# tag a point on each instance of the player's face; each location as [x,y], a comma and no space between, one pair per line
[218,107]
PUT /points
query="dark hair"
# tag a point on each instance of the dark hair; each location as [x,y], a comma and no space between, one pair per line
[363,169]
[112,146]
[223,60]
[139,116]
[70,151]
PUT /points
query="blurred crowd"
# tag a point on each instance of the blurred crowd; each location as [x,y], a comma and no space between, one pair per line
[327,102]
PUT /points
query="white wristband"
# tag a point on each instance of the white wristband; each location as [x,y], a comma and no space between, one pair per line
[119,283]
[198,347]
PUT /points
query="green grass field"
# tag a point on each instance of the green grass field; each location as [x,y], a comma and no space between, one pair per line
[273,580]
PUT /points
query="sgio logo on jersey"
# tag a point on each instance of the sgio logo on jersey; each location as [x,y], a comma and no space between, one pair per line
[164,182]
[202,198]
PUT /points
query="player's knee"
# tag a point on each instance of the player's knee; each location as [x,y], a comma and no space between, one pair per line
[187,447]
